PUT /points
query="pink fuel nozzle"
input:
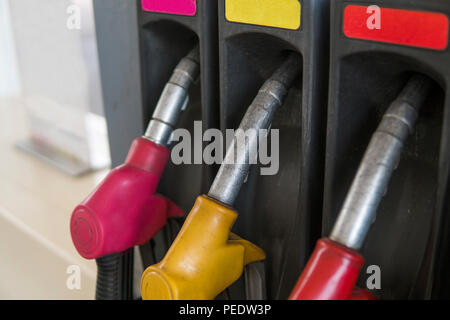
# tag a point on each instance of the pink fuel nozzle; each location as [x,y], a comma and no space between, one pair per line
[124,210]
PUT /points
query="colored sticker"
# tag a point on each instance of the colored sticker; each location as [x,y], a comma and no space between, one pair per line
[180,7]
[283,14]
[404,27]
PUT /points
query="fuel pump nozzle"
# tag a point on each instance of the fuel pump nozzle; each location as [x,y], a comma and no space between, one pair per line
[206,257]
[124,210]
[333,269]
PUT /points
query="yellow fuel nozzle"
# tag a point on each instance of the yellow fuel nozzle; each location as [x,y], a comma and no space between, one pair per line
[204,259]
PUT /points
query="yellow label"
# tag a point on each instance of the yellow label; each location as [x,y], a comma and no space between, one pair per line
[283,14]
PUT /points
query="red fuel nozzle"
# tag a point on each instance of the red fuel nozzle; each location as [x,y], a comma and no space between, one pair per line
[124,211]
[333,269]
[331,273]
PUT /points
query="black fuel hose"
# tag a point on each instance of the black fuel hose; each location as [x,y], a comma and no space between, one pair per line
[108,268]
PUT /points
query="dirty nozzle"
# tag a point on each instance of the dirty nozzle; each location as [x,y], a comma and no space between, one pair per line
[235,168]
[174,99]
[380,160]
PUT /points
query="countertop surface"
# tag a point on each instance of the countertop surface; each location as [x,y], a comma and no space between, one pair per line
[36,201]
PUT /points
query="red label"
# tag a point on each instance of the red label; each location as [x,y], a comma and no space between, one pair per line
[180,7]
[405,27]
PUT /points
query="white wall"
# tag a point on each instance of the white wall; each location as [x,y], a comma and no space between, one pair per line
[50,55]
[59,73]
[9,75]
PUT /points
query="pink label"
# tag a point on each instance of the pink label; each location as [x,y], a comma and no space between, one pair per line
[182,7]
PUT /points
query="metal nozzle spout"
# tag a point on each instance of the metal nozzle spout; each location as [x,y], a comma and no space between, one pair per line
[379,162]
[174,99]
[259,115]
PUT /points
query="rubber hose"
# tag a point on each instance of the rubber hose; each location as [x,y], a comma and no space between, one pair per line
[108,278]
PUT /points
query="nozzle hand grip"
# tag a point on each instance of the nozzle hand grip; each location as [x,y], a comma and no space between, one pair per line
[204,259]
[330,274]
[124,210]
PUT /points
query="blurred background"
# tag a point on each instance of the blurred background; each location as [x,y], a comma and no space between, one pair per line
[53,142]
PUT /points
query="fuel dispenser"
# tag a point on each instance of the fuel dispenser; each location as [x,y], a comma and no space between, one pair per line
[206,258]
[376,46]
[381,51]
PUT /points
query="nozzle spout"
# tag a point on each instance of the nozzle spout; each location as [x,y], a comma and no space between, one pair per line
[259,115]
[174,99]
[380,160]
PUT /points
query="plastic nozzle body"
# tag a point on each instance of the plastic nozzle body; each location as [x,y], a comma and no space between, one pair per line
[124,211]
[204,259]
[331,273]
